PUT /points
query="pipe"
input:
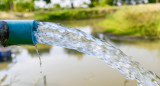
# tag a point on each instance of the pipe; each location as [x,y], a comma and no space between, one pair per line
[4,32]
[19,32]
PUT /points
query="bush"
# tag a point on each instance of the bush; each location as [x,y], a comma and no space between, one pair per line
[152,1]
[5,5]
[70,14]
[27,6]
[94,3]
[134,21]
[57,6]
[106,2]
[17,5]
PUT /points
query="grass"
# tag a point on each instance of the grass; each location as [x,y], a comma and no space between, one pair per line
[73,14]
[60,14]
[138,20]
[141,20]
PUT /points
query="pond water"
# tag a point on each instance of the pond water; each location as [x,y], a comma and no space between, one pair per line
[64,67]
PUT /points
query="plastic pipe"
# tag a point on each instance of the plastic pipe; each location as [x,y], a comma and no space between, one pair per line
[4,32]
[21,32]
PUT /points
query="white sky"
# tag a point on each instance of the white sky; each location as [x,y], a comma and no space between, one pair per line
[63,3]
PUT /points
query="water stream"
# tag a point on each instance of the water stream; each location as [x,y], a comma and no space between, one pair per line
[41,70]
[59,35]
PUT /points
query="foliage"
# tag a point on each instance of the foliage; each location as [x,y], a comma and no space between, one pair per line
[56,6]
[106,2]
[94,3]
[71,14]
[24,6]
[47,1]
[6,4]
[152,1]
[139,21]
[17,5]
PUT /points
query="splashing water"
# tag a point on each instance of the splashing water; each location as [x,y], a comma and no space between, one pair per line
[55,34]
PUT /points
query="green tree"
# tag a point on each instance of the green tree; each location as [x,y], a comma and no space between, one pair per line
[153,1]
[24,5]
[47,1]
[6,5]
[106,2]
[3,5]
[56,6]
[10,4]
[94,3]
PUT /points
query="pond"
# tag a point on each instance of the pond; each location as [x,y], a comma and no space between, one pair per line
[65,67]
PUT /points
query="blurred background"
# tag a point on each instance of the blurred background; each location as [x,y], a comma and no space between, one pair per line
[131,25]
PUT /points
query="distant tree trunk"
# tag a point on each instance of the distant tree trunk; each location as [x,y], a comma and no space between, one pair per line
[157,1]
[94,3]
[11,5]
[72,5]
[47,1]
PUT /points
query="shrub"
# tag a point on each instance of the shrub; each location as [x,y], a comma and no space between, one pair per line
[70,14]
[140,21]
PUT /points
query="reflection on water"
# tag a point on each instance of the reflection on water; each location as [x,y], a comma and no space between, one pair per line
[41,49]
[78,54]
[64,67]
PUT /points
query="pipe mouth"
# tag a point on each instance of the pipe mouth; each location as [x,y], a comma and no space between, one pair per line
[21,32]
[4,32]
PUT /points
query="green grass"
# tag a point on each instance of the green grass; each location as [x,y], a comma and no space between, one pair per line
[72,14]
[142,20]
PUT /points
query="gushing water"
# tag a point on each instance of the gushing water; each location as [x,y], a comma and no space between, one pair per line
[55,34]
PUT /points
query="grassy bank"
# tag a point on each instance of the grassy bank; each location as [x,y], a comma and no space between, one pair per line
[141,20]
[74,14]
[60,14]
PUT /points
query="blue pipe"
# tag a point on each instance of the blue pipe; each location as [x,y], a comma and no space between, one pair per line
[21,32]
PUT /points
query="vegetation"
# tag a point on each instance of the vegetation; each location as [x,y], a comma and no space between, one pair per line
[139,20]
[73,14]
[17,5]
[28,5]
[105,2]
[94,3]
[142,20]
[154,1]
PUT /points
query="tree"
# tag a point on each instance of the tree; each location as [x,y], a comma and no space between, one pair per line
[106,2]
[94,3]
[153,1]
[17,5]
[47,1]
[57,6]
[24,5]
[9,4]
[72,5]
